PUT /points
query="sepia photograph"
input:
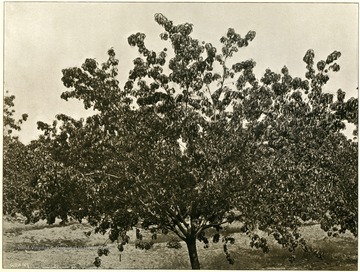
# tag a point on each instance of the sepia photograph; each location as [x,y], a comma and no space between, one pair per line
[180,135]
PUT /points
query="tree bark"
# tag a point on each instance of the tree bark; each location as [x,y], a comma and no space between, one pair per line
[194,260]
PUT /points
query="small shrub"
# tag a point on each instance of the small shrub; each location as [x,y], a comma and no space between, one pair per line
[173,243]
[144,245]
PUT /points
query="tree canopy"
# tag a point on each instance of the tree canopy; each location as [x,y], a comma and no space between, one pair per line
[15,173]
[194,140]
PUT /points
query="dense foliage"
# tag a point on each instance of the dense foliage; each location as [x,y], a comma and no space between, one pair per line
[15,172]
[194,141]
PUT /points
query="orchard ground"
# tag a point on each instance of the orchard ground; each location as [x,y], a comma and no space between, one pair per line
[55,246]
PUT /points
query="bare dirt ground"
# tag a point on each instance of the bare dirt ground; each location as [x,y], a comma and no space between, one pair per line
[42,246]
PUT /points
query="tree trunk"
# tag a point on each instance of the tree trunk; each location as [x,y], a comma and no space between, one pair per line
[194,260]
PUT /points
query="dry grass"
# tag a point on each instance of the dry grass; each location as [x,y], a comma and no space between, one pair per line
[42,246]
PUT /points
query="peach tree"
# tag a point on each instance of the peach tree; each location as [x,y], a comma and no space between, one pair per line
[194,141]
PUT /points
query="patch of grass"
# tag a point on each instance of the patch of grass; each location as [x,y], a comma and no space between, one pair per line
[161,238]
[46,244]
[164,238]
[335,257]
[37,226]
[178,263]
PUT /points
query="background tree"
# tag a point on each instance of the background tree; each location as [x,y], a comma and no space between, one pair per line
[14,168]
[199,143]
[9,122]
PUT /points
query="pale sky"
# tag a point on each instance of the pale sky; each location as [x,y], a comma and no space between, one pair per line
[41,39]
